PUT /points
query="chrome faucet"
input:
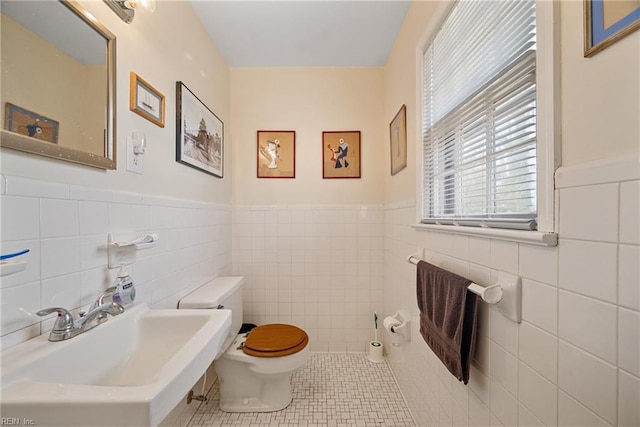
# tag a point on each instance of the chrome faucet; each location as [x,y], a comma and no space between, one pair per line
[100,314]
[65,327]
[106,295]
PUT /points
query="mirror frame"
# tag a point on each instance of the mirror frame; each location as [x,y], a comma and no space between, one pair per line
[108,161]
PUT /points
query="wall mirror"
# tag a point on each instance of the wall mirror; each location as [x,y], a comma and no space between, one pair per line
[57,82]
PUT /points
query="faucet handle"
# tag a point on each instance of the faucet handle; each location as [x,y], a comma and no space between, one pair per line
[64,322]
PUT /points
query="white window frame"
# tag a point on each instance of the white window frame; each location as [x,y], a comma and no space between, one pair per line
[548,129]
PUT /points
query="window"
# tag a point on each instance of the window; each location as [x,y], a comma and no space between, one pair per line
[480,108]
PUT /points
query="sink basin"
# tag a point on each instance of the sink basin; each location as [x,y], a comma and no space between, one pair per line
[131,370]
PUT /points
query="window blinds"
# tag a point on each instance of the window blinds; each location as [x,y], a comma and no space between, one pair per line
[479,124]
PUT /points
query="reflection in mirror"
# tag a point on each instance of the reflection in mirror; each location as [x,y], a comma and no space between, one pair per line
[58,82]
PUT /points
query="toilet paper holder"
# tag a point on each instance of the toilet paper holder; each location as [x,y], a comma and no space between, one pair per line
[399,324]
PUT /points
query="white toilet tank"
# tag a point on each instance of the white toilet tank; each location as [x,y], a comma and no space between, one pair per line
[219,293]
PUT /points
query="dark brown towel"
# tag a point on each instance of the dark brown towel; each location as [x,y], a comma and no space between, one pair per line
[448,315]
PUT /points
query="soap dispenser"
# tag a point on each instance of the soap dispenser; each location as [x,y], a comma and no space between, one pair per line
[125,292]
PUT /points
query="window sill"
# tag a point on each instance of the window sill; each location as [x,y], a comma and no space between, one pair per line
[539,238]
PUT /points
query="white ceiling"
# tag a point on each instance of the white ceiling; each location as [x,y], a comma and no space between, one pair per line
[303,33]
[48,18]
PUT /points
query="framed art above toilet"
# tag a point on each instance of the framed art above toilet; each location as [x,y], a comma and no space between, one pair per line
[341,154]
[276,150]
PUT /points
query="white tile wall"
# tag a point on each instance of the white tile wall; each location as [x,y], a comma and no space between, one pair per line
[504,365]
[20,218]
[628,408]
[504,405]
[590,212]
[575,358]
[539,350]
[526,418]
[629,206]
[58,218]
[588,379]
[589,268]
[629,341]
[540,305]
[532,257]
[65,227]
[579,314]
[573,413]
[317,267]
[629,276]
[538,395]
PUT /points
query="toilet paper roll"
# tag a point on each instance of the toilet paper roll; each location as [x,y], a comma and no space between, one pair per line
[389,323]
[375,351]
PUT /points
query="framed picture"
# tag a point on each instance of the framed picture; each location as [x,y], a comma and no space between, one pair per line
[199,133]
[398,138]
[607,21]
[28,123]
[276,154]
[341,154]
[145,101]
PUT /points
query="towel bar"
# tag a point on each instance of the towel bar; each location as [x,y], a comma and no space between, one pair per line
[491,294]
[506,294]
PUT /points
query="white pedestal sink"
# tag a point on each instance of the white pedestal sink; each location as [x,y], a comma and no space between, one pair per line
[131,370]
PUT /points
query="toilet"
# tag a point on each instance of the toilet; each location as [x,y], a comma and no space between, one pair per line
[254,369]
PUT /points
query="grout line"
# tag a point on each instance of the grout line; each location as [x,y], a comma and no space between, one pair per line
[331,389]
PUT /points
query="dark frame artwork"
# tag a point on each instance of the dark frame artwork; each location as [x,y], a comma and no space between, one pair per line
[199,134]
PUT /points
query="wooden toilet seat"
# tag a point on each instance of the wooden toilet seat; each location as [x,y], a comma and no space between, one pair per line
[275,340]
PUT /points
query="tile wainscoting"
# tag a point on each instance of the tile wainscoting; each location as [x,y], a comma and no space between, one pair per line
[575,358]
[317,267]
[65,228]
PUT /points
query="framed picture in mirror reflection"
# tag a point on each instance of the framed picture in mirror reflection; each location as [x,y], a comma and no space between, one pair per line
[28,123]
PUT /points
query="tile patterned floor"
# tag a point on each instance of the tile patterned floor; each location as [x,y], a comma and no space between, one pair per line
[332,390]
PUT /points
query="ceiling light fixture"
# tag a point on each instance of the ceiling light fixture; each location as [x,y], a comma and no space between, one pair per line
[125,9]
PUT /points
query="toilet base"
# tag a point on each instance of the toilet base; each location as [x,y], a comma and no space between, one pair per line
[256,384]
[251,393]
[253,404]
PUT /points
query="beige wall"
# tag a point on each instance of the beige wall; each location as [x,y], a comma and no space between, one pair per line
[167,46]
[309,101]
[24,56]
[600,95]
[401,77]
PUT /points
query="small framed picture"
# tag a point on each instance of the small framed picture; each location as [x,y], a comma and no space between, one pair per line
[28,123]
[276,154]
[341,154]
[398,138]
[199,133]
[145,101]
